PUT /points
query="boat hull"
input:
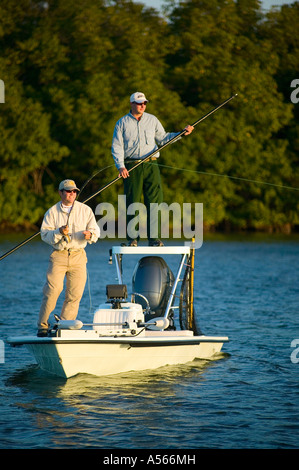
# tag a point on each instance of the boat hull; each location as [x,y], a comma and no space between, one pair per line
[106,356]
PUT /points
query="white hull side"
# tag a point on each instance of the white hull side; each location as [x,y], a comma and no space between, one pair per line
[68,359]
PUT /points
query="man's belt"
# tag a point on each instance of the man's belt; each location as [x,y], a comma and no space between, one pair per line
[132,160]
[70,250]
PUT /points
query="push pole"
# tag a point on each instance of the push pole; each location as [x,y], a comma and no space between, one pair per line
[161,148]
[129,171]
[191,286]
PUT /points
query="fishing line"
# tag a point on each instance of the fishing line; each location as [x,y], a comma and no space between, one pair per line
[141,162]
[89,292]
[67,237]
[231,177]
[91,177]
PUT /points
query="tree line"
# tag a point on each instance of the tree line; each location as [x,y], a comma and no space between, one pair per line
[70,67]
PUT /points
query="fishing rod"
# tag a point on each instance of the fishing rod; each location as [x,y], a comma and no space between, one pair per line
[176,137]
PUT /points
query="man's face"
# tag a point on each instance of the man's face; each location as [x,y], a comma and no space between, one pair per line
[68,196]
[138,108]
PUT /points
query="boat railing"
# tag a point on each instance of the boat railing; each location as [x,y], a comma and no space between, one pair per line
[184,251]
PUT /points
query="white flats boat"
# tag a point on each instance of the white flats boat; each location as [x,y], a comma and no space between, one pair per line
[130,335]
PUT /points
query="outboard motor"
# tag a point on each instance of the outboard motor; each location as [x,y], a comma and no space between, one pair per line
[153,279]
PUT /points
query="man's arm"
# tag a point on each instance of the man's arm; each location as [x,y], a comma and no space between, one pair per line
[50,231]
[117,148]
[92,232]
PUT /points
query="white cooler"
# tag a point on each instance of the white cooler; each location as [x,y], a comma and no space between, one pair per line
[111,321]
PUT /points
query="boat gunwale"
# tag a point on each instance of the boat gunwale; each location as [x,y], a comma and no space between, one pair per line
[133,342]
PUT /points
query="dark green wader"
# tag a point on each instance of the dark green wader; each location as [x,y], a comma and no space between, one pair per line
[146,180]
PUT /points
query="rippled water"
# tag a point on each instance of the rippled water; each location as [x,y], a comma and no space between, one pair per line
[247,397]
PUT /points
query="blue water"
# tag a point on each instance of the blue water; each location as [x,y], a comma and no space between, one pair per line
[246,398]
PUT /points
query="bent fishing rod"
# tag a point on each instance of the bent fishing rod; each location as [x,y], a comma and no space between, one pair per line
[176,137]
[37,233]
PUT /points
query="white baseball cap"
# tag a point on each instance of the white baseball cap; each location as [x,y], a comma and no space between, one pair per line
[68,185]
[138,97]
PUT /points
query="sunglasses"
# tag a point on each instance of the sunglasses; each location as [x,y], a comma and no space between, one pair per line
[70,190]
[141,104]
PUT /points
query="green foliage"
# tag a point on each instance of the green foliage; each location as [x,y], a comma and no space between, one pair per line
[69,69]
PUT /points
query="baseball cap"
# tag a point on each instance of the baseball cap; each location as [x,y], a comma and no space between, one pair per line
[138,97]
[68,185]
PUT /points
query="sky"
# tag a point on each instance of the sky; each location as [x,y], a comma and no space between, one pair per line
[266,4]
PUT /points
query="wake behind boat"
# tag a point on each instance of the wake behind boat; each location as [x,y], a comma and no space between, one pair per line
[131,335]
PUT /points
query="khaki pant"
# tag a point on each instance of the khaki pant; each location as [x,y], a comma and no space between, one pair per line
[69,264]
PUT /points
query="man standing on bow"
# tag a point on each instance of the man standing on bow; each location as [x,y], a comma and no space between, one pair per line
[67,226]
[136,135]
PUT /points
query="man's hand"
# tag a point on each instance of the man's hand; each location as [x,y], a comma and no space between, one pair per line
[87,234]
[64,230]
[123,172]
[188,129]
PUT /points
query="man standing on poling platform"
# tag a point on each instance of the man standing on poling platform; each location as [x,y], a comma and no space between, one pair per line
[137,135]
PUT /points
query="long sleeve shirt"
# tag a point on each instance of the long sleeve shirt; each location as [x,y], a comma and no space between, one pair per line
[135,139]
[81,219]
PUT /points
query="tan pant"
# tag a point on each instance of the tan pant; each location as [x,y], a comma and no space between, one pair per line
[69,264]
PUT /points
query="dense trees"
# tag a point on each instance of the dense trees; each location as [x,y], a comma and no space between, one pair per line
[69,68]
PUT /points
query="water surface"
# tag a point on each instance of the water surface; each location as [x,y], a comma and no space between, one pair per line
[246,398]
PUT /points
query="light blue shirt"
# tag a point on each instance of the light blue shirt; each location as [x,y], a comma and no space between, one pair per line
[134,140]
